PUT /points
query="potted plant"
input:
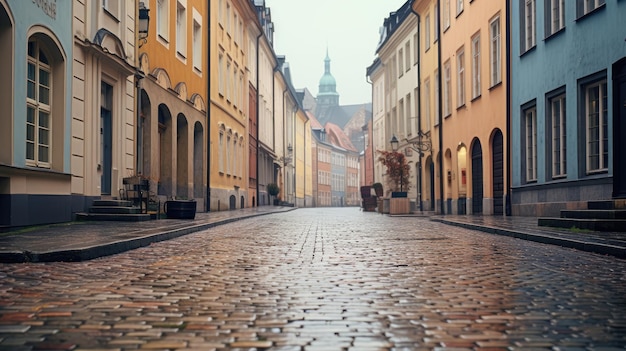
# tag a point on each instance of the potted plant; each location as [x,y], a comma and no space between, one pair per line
[398,171]
[273,190]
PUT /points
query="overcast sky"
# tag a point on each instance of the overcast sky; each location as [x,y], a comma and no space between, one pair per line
[349,28]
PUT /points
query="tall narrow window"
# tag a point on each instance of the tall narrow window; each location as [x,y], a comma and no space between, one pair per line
[583,7]
[446,14]
[220,73]
[400,63]
[407,55]
[555,16]
[495,57]
[528,31]
[409,116]
[427,32]
[181,29]
[197,45]
[476,66]
[447,89]
[38,107]
[427,103]
[559,140]
[416,54]
[460,88]
[437,92]
[221,152]
[459,7]
[596,118]
[163,19]
[530,143]
[436,22]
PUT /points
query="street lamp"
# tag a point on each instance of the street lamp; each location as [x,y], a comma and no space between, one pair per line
[144,22]
[394,146]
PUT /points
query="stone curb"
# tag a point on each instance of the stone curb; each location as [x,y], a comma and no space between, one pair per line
[112,248]
[604,249]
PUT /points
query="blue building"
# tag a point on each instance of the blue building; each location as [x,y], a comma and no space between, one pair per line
[568,104]
[35,119]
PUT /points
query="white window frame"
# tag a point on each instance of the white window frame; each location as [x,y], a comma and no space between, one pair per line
[476,66]
[197,41]
[220,73]
[400,62]
[221,151]
[460,86]
[415,49]
[599,139]
[38,127]
[555,16]
[163,26]
[447,89]
[181,28]
[530,143]
[436,23]
[427,103]
[558,124]
[530,25]
[407,55]
[446,14]
[495,51]
[437,92]
[459,7]
[427,32]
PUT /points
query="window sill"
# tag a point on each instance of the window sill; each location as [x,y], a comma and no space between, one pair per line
[475,98]
[588,14]
[110,14]
[462,106]
[554,35]
[495,85]
[531,49]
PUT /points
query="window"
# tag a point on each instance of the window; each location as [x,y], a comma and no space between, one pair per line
[530,143]
[408,114]
[163,19]
[181,29]
[555,16]
[558,135]
[197,42]
[111,6]
[400,63]
[460,89]
[220,73]
[583,7]
[437,90]
[447,103]
[459,7]
[446,14]
[228,80]
[596,119]
[221,152]
[476,66]
[427,104]
[38,107]
[495,57]
[427,32]
[436,22]
[415,49]
[407,57]
[228,155]
[528,22]
[401,119]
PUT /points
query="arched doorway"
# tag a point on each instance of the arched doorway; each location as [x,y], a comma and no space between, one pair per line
[232,202]
[164,152]
[477,178]
[198,161]
[243,202]
[182,156]
[497,168]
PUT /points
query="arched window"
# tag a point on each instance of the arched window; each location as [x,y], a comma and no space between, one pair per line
[39,106]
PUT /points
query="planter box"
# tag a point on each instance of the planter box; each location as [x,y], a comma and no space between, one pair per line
[399,205]
[180,209]
[398,194]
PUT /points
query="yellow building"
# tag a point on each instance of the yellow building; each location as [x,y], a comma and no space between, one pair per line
[474,105]
[173,130]
[229,99]
[472,98]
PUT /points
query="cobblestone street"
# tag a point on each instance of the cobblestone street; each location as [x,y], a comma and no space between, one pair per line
[321,279]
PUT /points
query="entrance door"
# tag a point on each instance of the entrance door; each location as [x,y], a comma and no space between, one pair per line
[619,129]
[498,174]
[106,138]
[477,178]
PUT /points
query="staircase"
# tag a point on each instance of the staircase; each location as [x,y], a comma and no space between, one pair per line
[114,210]
[603,216]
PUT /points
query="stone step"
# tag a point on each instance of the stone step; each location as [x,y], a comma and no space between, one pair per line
[112,202]
[133,217]
[115,209]
[614,204]
[594,214]
[601,225]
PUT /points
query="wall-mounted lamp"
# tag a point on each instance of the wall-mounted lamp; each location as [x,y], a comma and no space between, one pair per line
[144,22]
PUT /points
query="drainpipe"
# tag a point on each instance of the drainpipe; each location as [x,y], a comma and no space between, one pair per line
[440,117]
[257,116]
[419,113]
[507,196]
[371,139]
[208,115]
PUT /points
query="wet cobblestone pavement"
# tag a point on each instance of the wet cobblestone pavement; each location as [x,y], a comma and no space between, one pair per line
[321,279]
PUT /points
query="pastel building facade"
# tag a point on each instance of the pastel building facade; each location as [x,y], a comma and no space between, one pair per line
[568,104]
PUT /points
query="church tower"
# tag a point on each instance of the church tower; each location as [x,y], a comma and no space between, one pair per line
[327,96]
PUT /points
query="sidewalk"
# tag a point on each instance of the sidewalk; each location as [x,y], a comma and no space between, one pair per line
[80,241]
[606,243]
